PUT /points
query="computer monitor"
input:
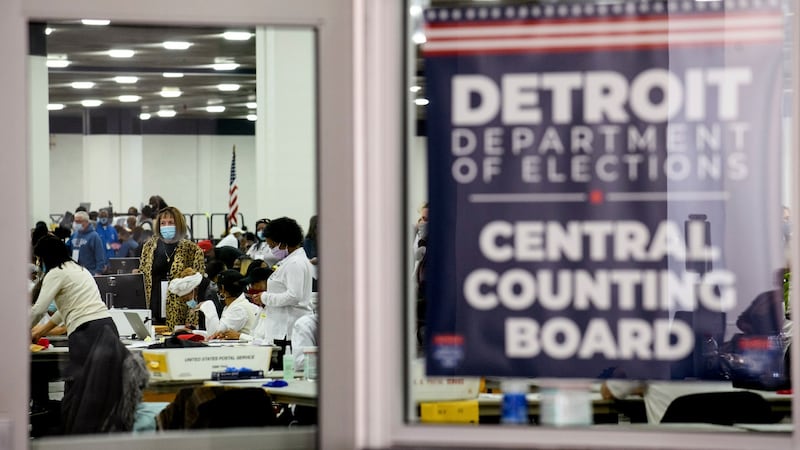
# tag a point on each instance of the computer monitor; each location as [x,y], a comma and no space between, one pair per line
[122,265]
[122,291]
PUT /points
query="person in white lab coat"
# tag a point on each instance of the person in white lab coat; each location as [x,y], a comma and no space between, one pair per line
[288,294]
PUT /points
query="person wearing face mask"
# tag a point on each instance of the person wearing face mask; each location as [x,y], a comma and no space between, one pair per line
[107,233]
[238,315]
[259,249]
[288,294]
[164,257]
[275,251]
[86,245]
[190,289]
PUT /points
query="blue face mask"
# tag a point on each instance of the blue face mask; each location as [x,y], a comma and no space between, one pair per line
[260,235]
[52,308]
[103,220]
[168,231]
[192,304]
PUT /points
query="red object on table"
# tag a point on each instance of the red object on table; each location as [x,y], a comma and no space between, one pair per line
[44,342]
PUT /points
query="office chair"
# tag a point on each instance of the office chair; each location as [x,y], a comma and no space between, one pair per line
[720,408]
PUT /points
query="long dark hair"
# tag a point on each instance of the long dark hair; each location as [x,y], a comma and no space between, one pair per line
[312,228]
[52,251]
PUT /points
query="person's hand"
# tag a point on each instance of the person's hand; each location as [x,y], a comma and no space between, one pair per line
[228,334]
[313,260]
[37,333]
[135,270]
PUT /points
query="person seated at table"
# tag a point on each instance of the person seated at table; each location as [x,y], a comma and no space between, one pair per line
[257,283]
[658,395]
[188,288]
[305,334]
[238,313]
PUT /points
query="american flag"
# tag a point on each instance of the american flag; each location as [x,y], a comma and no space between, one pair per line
[233,193]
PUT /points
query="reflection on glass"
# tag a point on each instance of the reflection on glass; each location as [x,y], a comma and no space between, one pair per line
[606,230]
[167,243]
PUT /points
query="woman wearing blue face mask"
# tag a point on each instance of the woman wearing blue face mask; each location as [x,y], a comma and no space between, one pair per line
[192,288]
[259,249]
[164,257]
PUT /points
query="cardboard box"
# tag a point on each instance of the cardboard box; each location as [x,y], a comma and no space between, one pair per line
[197,363]
[425,388]
[464,411]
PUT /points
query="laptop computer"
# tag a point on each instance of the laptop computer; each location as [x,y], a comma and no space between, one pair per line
[141,330]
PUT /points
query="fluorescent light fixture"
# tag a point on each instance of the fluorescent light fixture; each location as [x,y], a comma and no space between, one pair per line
[144,116]
[419,37]
[415,10]
[82,84]
[252,117]
[126,79]
[176,45]
[228,87]
[47,31]
[414,88]
[166,113]
[95,22]
[55,106]
[215,108]
[129,98]
[91,103]
[172,75]
[421,101]
[225,66]
[170,92]
[121,53]
[252,105]
[58,63]
[237,35]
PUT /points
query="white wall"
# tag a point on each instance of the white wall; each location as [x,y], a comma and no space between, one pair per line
[190,172]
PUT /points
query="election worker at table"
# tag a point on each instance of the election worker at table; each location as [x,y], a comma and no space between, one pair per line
[188,287]
[238,314]
[89,325]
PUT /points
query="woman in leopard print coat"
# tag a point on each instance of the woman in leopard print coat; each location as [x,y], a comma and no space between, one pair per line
[164,256]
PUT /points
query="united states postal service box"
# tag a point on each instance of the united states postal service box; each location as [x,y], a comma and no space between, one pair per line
[197,363]
[426,389]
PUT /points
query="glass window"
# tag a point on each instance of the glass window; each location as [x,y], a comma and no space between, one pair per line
[599,206]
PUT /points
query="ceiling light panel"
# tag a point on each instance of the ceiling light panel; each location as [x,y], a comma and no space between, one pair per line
[172,75]
[166,113]
[121,53]
[228,87]
[129,98]
[237,35]
[170,92]
[144,116]
[176,45]
[57,63]
[225,66]
[96,22]
[55,106]
[215,108]
[91,103]
[82,84]
[252,105]
[124,79]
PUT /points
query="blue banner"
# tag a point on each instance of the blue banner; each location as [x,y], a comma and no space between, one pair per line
[604,184]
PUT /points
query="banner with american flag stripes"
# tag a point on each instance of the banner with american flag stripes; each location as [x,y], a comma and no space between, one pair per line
[603,183]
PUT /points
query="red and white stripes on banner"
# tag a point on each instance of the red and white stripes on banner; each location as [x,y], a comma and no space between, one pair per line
[602,33]
[233,193]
